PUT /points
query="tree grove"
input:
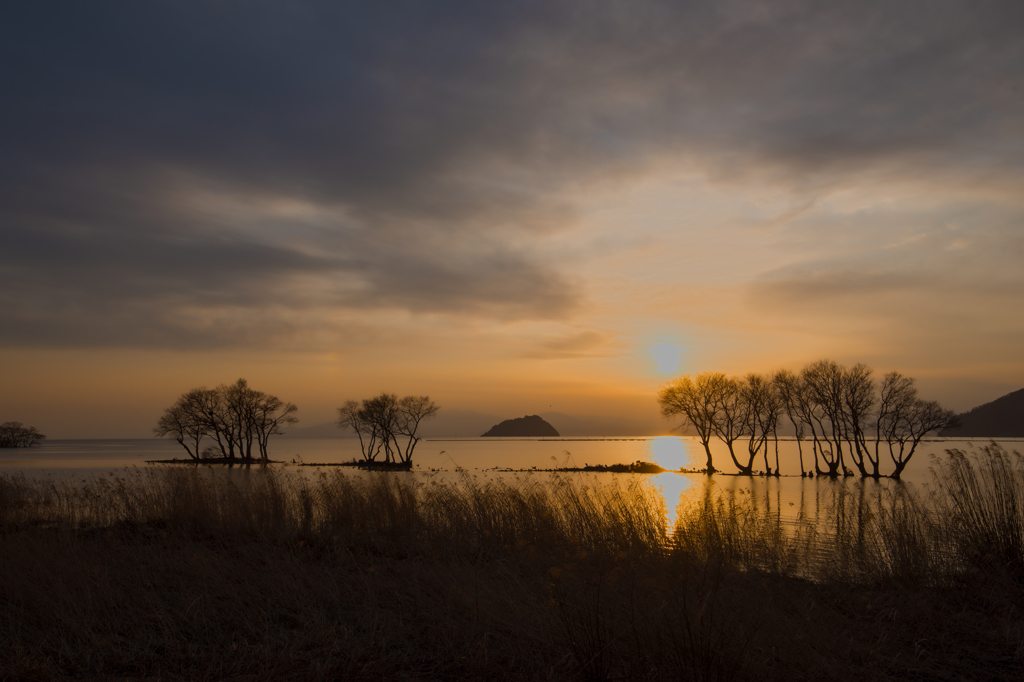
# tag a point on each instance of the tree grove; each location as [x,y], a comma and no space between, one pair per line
[849,419]
[237,419]
[387,425]
[17,435]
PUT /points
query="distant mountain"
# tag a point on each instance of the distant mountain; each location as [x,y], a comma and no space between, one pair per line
[531,426]
[1001,418]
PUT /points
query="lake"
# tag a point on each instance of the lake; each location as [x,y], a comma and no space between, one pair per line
[789,496]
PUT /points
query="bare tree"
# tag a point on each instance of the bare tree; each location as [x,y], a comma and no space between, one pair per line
[696,400]
[412,410]
[238,412]
[904,419]
[381,413]
[762,409]
[234,416]
[269,414]
[791,396]
[731,416]
[350,417]
[848,415]
[380,421]
[823,381]
[896,394]
[186,422]
[17,435]
[858,407]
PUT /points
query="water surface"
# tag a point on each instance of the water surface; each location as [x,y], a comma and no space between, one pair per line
[789,496]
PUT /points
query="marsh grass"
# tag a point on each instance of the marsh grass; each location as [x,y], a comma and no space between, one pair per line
[193,574]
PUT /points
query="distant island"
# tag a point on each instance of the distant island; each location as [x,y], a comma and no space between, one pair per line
[530,426]
[1001,418]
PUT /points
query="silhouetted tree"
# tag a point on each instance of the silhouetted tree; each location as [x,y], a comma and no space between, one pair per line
[731,418]
[17,435]
[824,383]
[859,401]
[233,416]
[791,395]
[380,421]
[761,409]
[186,421]
[848,416]
[350,417]
[412,410]
[904,419]
[696,400]
[269,414]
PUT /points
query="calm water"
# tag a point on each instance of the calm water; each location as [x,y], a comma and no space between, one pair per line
[790,496]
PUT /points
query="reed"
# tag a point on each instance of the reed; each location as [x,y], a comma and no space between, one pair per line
[194,574]
[981,500]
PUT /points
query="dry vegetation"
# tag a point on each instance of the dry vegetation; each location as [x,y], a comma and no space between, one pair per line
[198,575]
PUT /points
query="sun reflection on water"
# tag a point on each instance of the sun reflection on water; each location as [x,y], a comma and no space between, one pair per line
[672,487]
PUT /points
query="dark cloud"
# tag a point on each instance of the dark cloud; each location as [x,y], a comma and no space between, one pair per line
[910,285]
[431,141]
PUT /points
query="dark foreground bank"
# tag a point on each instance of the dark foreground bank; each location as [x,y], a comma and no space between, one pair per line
[177,574]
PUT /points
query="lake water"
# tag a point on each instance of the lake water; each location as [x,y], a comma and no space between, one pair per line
[790,495]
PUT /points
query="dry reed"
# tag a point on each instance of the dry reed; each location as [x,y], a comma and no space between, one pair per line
[194,574]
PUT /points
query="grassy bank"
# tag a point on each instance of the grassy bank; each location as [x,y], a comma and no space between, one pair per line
[180,574]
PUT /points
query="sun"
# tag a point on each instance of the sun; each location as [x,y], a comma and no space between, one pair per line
[667,356]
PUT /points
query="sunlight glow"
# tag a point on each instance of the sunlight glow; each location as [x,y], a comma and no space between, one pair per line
[667,356]
[670,452]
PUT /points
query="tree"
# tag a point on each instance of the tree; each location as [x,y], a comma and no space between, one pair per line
[412,410]
[761,409]
[234,416]
[17,435]
[904,419]
[380,421]
[789,389]
[858,406]
[186,422]
[823,381]
[696,400]
[847,414]
[730,422]
[350,417]
[380,414]
[269,414]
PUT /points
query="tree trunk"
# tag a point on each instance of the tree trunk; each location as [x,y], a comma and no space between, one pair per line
[707,449]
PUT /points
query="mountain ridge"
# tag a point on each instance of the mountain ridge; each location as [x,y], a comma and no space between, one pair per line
[1001,418]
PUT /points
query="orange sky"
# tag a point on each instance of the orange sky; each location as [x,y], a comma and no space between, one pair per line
[513,211]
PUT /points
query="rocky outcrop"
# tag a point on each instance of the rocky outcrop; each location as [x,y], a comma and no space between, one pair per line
[530,426]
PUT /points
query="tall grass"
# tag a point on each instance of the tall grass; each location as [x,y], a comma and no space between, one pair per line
[372,512]
[982,505]
[193,574]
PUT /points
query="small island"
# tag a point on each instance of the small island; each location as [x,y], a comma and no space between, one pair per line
[637,467]
[530,426]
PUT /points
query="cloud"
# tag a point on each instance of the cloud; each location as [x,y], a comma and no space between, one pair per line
[430,146]
[918,304]
[584,344]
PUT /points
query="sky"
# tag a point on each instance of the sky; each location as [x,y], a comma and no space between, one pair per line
[511,207]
